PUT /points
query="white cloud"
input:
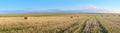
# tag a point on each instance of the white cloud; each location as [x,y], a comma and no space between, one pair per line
[115,11]
[96,9]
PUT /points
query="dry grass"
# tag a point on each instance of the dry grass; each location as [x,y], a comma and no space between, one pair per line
[80,23]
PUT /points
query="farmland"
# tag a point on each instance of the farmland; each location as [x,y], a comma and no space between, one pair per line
[71,23]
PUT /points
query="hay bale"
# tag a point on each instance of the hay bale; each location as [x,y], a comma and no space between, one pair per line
[71,17]
[26,18]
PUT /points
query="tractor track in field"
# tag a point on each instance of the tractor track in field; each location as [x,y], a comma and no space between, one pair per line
[91,24]
[67,29]
[103,29]
[83,26]
[75,26]
[88,26]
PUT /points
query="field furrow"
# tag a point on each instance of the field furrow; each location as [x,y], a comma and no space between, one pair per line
[88,27]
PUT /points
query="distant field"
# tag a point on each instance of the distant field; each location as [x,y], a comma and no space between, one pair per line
[60,23]
[39,15]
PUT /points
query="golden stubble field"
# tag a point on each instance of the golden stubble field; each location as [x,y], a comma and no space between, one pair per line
[80,23]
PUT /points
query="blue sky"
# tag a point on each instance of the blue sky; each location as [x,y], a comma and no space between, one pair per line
[49,4]
[56,3]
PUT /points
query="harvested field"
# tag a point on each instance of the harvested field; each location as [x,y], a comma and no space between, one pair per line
[83,23]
